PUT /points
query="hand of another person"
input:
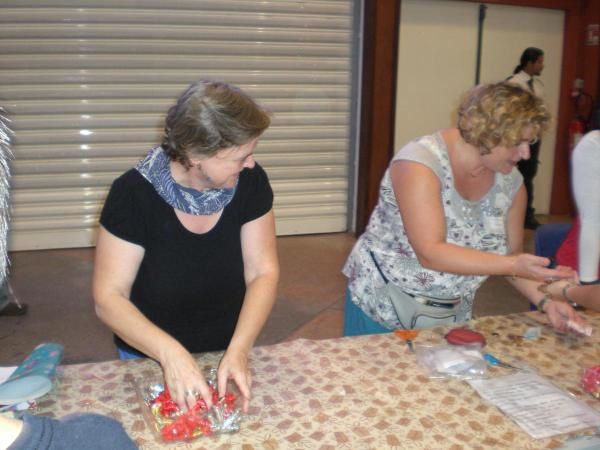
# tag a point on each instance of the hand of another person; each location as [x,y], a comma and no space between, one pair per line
[574,277]
[184,378]
[570,270]
[560,313]
[536,268]
[234,365]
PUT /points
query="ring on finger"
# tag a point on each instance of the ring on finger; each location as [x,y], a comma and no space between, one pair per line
[191,393]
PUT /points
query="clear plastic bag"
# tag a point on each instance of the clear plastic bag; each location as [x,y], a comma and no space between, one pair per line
[464,362]
[171,424]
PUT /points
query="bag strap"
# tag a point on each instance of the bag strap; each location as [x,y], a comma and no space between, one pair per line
[378,268]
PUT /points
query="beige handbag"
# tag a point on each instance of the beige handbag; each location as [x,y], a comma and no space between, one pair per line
[418,311]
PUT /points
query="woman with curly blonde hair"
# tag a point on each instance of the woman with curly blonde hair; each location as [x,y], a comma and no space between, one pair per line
[450,213]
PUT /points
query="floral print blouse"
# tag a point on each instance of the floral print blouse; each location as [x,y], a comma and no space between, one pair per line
[480,225]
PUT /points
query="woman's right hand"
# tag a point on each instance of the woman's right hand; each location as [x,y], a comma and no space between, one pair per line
[184,378]
[534,267]
[564,318]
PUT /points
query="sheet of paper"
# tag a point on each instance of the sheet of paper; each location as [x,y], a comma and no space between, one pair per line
[536,405]
[6,372]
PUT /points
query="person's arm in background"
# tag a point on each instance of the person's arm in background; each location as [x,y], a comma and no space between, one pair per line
[116,265]
[585,165]
[558,313]
[261,272]
[418,195]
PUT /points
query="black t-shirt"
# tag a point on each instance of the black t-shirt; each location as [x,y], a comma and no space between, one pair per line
[190,285]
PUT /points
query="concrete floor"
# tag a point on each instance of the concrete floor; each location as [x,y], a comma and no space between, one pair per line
[56,285]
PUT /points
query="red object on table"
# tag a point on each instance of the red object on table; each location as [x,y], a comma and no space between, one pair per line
[464,336]
[188,425]
[591,381]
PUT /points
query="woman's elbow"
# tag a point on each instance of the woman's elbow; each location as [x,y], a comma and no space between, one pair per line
[104,302]
[100,307]
[275,273]
[427,259]
[271,275]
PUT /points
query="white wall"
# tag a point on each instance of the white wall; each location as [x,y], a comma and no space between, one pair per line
[436,64]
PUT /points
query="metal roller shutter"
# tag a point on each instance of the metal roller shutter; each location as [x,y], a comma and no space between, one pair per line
[87,84]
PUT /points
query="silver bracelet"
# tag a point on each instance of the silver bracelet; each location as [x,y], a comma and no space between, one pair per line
[545,299]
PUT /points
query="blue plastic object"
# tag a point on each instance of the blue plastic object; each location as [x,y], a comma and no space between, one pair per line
[493,361]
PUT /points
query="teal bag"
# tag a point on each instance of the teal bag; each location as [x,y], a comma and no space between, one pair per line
[34,377]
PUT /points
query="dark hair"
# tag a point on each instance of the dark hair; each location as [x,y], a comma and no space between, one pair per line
[210,116]
[495,114]
[530,54]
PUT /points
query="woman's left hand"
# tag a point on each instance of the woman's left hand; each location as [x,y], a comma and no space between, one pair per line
[535,267]
[560,314]
[234,365]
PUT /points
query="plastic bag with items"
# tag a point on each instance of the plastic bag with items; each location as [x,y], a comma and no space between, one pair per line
[464,362]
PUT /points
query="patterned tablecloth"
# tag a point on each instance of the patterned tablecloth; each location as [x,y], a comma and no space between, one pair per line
[365,392]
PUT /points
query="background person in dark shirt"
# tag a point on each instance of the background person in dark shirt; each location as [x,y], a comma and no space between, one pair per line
[526,75]
[186,255]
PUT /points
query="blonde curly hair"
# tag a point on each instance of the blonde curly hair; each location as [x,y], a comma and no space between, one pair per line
[491,115]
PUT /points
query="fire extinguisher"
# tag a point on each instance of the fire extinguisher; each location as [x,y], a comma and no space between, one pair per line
[576,131]
[582,106]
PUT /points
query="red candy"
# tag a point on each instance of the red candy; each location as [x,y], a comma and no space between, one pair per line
[229,400]
[167,406]
[591,381]
[187,426]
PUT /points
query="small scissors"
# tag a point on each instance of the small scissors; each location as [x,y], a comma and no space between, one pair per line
[493,361]
[408,336]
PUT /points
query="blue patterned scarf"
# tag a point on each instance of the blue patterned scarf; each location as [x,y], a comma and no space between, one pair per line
[155,168]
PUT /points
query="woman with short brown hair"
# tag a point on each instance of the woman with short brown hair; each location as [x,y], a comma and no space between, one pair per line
[186,257]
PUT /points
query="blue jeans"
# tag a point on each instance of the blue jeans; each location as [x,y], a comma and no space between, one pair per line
[357,323]
[124,354]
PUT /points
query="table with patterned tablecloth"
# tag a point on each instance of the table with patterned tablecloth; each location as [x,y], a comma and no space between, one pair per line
[364,392]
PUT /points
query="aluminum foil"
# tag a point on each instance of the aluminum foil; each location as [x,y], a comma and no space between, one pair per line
[5,156]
